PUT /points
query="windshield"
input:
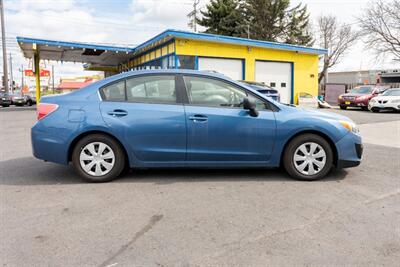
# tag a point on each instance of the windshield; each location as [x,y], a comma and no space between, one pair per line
[361,90]
[393,92]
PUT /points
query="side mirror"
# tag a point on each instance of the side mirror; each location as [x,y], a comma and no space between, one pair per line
[250,106]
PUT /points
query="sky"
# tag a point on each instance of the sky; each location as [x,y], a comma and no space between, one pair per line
[131,22]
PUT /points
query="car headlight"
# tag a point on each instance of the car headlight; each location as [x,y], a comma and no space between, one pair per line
[373,100]
[352,127]
[340,97]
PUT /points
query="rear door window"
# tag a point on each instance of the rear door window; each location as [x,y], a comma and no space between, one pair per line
[152,89]
[145,89]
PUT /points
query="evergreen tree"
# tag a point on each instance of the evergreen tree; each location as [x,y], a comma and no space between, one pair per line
[224,17]
[266,18]
[297,27]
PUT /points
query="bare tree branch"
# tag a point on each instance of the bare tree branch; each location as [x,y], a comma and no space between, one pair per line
[335,37]
[380,27]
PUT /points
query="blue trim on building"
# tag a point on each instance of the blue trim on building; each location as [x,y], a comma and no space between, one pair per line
[73,44]
[181,34]
[292,83]
[196,62]
[231,40]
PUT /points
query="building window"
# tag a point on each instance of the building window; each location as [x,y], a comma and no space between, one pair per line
[272,84]
[283,85]
[186,62]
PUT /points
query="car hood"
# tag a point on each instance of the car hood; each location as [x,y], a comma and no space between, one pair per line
[387,97]
[326,115]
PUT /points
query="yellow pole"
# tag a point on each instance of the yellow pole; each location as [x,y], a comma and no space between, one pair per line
[36,59]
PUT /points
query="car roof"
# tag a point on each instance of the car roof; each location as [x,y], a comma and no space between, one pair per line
[161,71]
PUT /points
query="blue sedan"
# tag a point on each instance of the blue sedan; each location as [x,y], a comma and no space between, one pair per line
[182,118]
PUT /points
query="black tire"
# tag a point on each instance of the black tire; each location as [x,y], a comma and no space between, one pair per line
[364,108]
[29,103]
[343,107]
[375,110]
[5,106]
[116,149]
[291,149]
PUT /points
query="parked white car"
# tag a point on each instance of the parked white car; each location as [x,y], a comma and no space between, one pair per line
[389,100]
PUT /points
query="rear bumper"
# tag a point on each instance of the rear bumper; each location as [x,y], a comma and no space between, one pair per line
[48,145]
[349,150]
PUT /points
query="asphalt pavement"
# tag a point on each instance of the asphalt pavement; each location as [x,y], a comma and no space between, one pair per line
[200,217]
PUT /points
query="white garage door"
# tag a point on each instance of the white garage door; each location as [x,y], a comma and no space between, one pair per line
[277,75]
[233,68]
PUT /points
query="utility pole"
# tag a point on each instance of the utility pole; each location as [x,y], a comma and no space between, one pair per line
[11,75]
[248,31]
[22,78]
[193,16]
[52,77]
[3,41]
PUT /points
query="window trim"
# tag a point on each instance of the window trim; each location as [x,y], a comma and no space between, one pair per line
[270,106]
[179,97]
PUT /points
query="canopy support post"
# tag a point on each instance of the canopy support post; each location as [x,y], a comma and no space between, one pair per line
[36,59]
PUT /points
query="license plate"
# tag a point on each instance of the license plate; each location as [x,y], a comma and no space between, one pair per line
[347,102]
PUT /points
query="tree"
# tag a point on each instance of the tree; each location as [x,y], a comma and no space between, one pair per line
[297,27]
[224,17]
[267,18]
[380,25]
[335,37]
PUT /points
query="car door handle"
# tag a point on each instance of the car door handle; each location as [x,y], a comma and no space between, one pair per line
[198,118]
[118,113]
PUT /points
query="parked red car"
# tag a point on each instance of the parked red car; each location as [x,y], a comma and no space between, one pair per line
[359,96]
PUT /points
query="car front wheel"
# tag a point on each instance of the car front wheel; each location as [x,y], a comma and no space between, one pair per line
[308,157]
[342,107]
[98,158]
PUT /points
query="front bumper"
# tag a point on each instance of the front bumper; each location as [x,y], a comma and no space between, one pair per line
[5,102]
[383,106]
[349,150]
[353,103]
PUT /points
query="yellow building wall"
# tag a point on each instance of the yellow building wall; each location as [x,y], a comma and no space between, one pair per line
[305,66]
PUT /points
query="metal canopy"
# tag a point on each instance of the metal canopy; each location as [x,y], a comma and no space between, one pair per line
[95,55]
[112,56]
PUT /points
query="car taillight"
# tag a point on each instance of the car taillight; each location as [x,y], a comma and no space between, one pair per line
[45,109]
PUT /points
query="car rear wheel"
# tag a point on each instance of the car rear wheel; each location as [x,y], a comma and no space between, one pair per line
[98,158]
[342,107]
[308,157]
